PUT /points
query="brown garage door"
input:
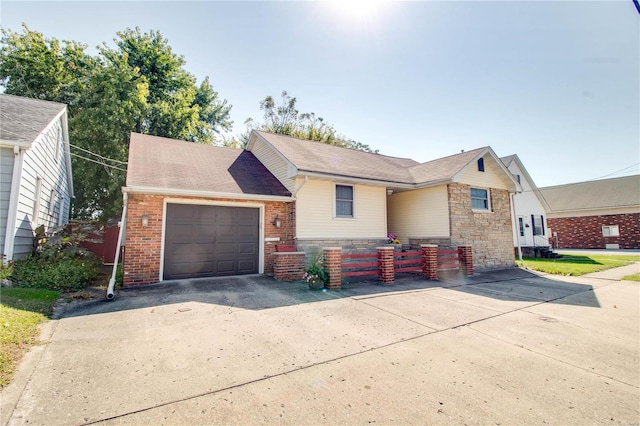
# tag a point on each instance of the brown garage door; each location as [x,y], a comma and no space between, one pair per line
[210,241]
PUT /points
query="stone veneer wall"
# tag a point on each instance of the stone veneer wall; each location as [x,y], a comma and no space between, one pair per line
[586,231]
[143,245]
[489,233]
[349,246]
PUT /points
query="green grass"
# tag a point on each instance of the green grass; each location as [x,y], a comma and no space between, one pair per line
[578,265]
[634,277]
[22,310]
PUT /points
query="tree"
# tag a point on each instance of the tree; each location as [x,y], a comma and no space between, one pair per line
[140,85]
[285,119]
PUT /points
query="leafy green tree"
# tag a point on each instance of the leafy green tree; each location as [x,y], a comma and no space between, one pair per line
[285,119]
[140,85]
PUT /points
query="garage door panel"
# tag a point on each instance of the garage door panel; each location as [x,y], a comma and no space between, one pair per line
[205,241]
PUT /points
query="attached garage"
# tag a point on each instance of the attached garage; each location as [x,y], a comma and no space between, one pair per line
[211,241]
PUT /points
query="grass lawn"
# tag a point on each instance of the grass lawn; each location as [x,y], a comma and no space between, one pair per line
[21,311]
[576,265]
[634,277]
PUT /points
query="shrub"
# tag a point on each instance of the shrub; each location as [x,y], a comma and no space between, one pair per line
[64,274]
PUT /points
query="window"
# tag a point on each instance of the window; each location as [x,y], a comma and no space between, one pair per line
[481,164]
[610,231]
[344,201]
[521,226]
[537,222]
[518,179]
[479,199]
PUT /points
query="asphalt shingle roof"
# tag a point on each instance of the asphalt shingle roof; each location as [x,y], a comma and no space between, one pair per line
[158,162]
[319,157]
[23,119]
[596,194]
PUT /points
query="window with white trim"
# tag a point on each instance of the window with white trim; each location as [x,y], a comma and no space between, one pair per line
[344,201]
[610,231]
[480,199]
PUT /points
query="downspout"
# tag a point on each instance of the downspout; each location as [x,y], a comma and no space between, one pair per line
[12,213]
[306,178]
[515,222]
[112,281]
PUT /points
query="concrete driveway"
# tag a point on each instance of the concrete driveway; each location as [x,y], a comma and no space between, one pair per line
[504,347]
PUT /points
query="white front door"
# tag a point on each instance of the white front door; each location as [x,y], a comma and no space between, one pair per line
[522,231]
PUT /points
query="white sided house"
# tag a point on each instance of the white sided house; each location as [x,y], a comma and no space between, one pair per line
[35,171]
[529,209]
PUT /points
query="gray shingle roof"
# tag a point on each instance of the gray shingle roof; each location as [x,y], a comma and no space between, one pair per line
[309,156]
[24,119]
[156,162]
[596,194]
[320,157]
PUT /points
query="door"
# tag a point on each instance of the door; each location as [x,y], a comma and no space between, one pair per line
[521,231]
[211,241]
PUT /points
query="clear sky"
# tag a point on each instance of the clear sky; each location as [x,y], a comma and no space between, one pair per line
[555,82]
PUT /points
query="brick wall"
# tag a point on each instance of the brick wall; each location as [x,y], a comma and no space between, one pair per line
[143,244]
[586,231]
[488,233]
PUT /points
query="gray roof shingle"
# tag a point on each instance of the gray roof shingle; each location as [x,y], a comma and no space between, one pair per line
[596,194]
[163,163]
[24,119]
[319,157]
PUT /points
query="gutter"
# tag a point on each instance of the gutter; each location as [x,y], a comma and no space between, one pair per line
[203,194]
[112,282]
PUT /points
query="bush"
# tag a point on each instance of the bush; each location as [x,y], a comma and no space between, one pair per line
[65,274]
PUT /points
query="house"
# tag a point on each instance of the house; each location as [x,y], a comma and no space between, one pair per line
[529,210]
[36,185]
[196,210]
[598,214]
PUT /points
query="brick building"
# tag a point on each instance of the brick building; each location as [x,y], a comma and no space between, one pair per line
[600,214]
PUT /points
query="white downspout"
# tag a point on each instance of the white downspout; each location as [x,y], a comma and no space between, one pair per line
[12,213]
[516,225]
[112,281]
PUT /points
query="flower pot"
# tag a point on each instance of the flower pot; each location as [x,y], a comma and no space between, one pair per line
[318,285]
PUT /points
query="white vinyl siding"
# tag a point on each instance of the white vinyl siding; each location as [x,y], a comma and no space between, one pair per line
[272,161]
[492,177]
[419,213]
[40,161]
[315,212]
[6,172]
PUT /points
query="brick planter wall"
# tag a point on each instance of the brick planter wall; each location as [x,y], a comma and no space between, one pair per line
[288,266]
[586,231]
[490,233]
[142,254]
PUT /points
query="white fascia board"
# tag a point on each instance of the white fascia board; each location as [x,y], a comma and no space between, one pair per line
[5,143]
[350,179]
[514,187]
[202,194]
[67,151]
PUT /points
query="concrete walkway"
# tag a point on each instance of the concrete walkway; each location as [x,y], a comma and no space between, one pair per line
[503,347]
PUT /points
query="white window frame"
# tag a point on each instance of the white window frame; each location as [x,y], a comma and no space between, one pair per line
[610,231]
[335,202]
[482,210]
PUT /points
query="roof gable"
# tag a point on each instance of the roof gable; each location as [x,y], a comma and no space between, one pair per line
[516,162]
[23,120]
[172,165]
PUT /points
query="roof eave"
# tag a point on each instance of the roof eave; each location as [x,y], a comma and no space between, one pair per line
[354,179]
[132,189]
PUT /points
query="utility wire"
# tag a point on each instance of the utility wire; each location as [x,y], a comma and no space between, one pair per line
[97,155]
[98,162]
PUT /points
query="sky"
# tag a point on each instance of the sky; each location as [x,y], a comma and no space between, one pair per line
[556,82]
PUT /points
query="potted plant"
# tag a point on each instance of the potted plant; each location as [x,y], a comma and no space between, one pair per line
[315,275]
[393,238]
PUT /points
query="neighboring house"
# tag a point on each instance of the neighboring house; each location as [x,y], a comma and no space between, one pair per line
[35,171]
[530,230]
[196,210]
[599,214]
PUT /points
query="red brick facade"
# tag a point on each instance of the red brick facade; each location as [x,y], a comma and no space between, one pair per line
[586,231]
[143,245]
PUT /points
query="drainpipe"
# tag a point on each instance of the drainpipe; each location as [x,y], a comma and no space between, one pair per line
[306,178]
[112,281]
[515,224]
